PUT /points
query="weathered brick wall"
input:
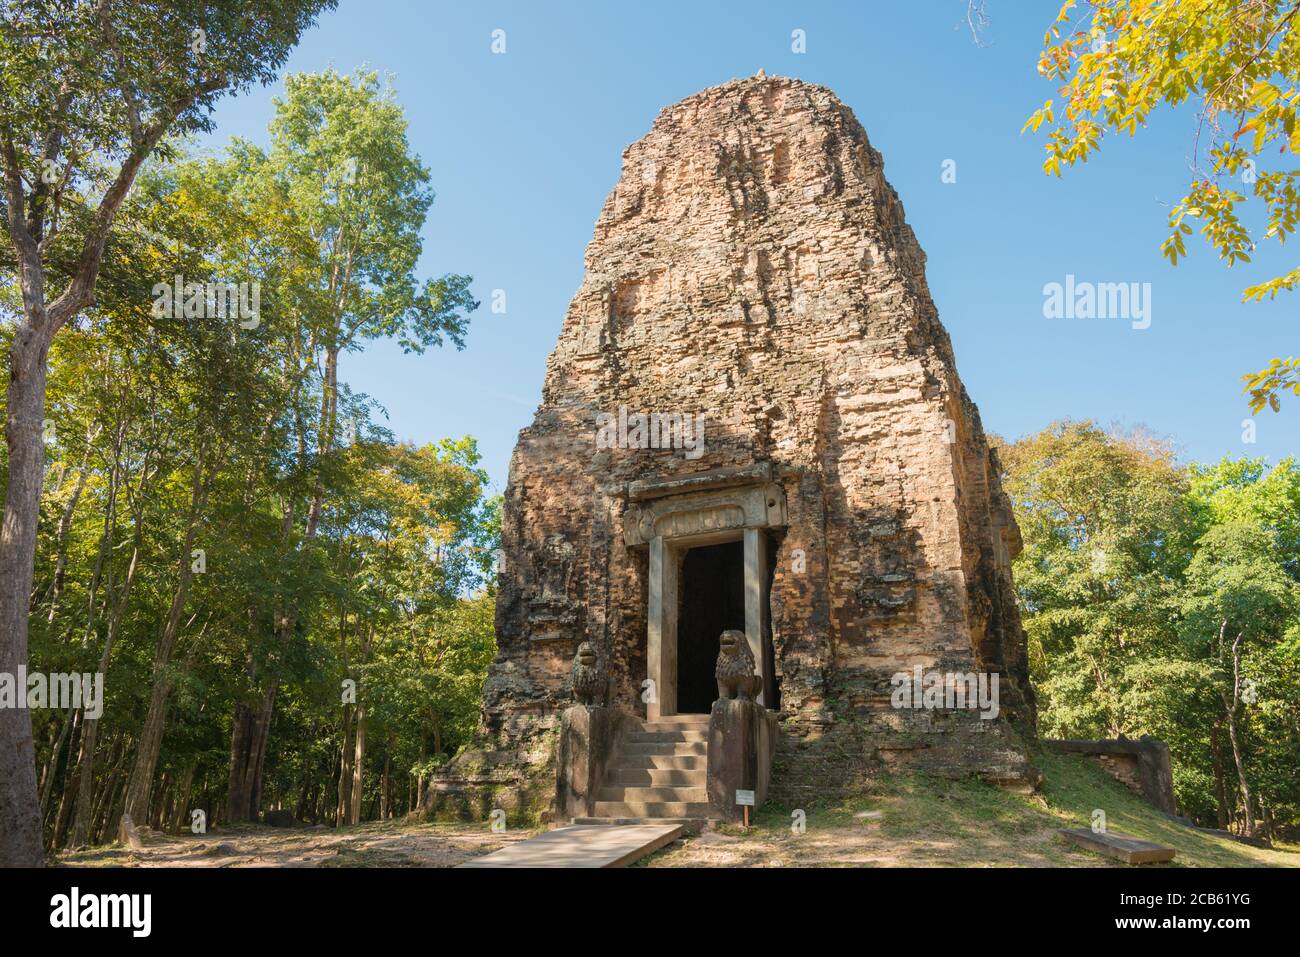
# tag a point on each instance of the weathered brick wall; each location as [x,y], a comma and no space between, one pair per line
[1142,765]
[1123,768]
[752,264]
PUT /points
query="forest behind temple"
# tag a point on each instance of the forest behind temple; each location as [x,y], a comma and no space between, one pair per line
[292,610]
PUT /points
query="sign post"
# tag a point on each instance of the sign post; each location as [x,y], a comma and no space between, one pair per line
[746,800]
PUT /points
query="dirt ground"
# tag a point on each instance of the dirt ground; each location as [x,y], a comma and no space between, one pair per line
[446,845]
[862,842]
[865,845]
[904,821]
[388,844]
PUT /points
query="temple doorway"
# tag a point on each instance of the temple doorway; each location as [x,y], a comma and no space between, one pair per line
[709,569]
[712,593]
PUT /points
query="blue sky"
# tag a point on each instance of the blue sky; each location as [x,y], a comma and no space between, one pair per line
[524,147]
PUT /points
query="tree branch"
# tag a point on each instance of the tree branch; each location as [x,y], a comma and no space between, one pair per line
[29,257]
[132,110]
[80,291]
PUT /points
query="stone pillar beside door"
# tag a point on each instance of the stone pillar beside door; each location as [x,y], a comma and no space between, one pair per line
[661,633]
[756,612]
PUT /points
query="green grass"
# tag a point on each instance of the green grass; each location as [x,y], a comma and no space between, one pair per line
[1074,786]
[924,820]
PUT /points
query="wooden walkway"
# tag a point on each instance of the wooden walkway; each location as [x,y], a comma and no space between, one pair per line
[584,845]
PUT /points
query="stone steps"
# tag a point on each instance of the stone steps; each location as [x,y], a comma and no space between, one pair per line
[664,809]
[665,762]
[677,748]
[692,824]
[678,722]
[660,775]
[667,737]
[649,795]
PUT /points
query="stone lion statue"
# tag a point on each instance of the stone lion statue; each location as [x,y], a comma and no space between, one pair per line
[735,669]
[587,676]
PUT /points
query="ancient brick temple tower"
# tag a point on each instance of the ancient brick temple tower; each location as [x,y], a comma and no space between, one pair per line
[752,419]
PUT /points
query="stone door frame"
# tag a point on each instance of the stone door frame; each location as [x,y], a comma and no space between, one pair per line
[672,516]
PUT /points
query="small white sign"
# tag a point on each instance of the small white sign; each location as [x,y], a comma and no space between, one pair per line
[745,798]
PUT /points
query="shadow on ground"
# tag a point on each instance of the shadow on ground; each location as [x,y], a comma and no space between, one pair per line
[384,844]
[905,821]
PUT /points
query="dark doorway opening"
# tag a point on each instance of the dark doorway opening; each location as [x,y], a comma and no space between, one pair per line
[712,590]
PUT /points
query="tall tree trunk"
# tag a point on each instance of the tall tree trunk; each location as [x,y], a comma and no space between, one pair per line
[358,761]
[304,792]
[52,765]
[67,797]
[1247,809]
[83,801]
[328,419]
[418,783]
[248,737]
[146,753]
[347,752]
[20,810]
[52,735]
[181,809]
[358,765]
[385,786]
[114,792]
[81,828]
[20,813]
[102,795]
[1232,706]
[140,783]
[65,523]
[1220,790]
[347,749]
[159,810]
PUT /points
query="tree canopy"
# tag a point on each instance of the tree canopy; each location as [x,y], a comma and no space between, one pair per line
[1118,61]
[1164,600]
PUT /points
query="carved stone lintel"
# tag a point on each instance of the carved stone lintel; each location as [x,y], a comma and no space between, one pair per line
[648,489]
[703,512]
